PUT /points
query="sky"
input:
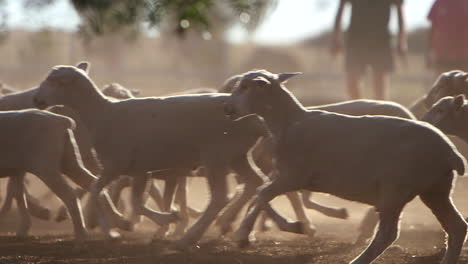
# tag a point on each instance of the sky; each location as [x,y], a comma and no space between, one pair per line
[291,21]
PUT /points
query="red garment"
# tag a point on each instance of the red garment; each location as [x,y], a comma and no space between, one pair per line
[450,30]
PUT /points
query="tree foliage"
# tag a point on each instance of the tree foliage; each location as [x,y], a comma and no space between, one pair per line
[99,17]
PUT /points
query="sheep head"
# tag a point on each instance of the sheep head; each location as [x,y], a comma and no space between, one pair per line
[63,86]
[448,84]
[256,92]
[117,91]
[446,114]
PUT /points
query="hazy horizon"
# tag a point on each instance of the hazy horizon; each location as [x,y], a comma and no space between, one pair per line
[286,24]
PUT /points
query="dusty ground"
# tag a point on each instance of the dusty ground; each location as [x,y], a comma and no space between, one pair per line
[414,246]
[420,242]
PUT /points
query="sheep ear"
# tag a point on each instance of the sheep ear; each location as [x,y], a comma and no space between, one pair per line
[135,92]
[283,77]
[84,65]
[261,81]
[459,101]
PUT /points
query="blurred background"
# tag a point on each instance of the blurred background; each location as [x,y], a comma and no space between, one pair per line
[167,46]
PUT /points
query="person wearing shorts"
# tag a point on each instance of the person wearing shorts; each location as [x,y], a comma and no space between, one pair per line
[448,36]
[368,43]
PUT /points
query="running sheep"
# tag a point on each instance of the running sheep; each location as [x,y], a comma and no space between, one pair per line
[154,142]
[386,163]
[41,143]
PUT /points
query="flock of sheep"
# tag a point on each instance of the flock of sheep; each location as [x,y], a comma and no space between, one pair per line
[373,152]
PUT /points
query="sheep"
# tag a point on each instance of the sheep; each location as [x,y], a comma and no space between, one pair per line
[18,101]
[378,165]
[24,100]
[447,84]
[353,107]
[41,143]
[194,91]
[6,89]
[155,142]
[449,115]
[119,92]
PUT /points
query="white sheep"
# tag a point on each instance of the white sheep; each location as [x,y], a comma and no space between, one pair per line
[41,143]
[156,136]
[263,158]
[6,89]
[449,114]
[118,91]
[378,160]
[18,100]
[24,100]
[447,84]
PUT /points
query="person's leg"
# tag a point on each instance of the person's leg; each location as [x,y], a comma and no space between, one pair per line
[353,83]
[380,83]
[356,61]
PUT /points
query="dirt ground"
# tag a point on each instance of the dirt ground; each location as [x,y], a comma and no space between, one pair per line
[414,246]
[421,240]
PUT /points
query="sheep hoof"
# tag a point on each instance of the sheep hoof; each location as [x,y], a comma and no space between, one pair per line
[182,245]
[22,234]
[81,237]
[298,228]
[243,243]
[43,214]
[161,232]
[124,224]
[342,213]
[61,216]
[113,235]
[309,230]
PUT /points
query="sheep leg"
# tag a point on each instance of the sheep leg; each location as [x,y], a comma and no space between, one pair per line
[34,207]
[181,199]
[62,213]
[301,216]
[283,224]
[264,196]
[95,206]
[341,213]
[139,185]
[217,180]
[81,176]
[387,233]
[155,194]
[17,183]
[169,190]
[262,222]
[59,186]
[8,198]
[367,226]
[452,222]
[115,189]
[252,181]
